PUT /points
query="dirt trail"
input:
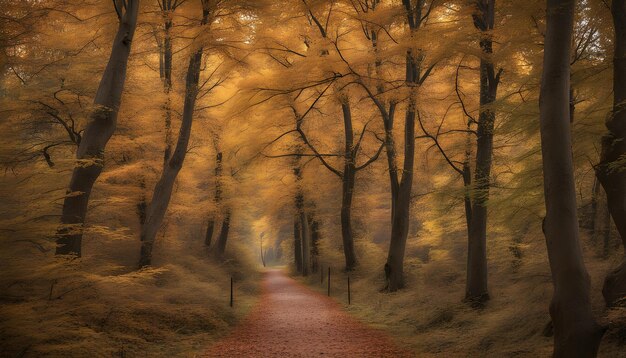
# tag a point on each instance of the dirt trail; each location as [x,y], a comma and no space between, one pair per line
[292,320]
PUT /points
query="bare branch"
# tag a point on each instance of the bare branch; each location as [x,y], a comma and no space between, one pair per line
[436,143]
[372,159]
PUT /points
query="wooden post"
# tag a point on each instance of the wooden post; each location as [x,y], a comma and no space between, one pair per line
[348,289]
[321,275]
[328,281]
[231,291]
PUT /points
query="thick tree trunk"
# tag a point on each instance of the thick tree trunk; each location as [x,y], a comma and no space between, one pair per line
[97,133]
[348,180]
[394,268]
[390,150]
[611,171]
[223,238]
[476,290]
[576,333]
[401,190]
[297,243]
[476,287]
[163,190]
[346,218]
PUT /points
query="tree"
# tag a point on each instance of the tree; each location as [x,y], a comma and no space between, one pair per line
[347,176]
[576,332]
[476,290]
[611,171]
[217,198]
[222,239]
[90,153]
[167,8]
[401,187]
[162,194]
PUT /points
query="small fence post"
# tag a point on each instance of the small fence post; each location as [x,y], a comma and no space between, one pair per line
[231,291]
[321,275]
[328,281]
[348,289]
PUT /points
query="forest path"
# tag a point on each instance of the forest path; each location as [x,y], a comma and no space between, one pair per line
[291,320]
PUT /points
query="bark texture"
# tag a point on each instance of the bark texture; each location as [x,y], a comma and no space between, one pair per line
[476,290]
[97,133]
[401,190]
[611,171]
[576,333]
[348,180]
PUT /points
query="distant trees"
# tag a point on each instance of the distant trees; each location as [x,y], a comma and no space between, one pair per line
[576,333]
[90,153]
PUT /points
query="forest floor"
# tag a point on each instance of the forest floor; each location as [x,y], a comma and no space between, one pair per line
[430,318]
[292,320]
[88,309]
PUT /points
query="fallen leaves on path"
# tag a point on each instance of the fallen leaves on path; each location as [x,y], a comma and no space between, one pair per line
[291,320]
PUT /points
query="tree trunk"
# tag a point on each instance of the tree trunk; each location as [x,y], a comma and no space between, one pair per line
[346,218]
[142,204]
[217,199]
[167,85]
[394,268]
[600,220]
[97,133]
[467,183]
[306,243]
[576,333]
[315,237]
[348,180]
[611,171]
[297,243]
[595,197]
[223,238]
[401,191]
[476,290]
[163,190]
[208,237]
[301,227]
[390,150]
